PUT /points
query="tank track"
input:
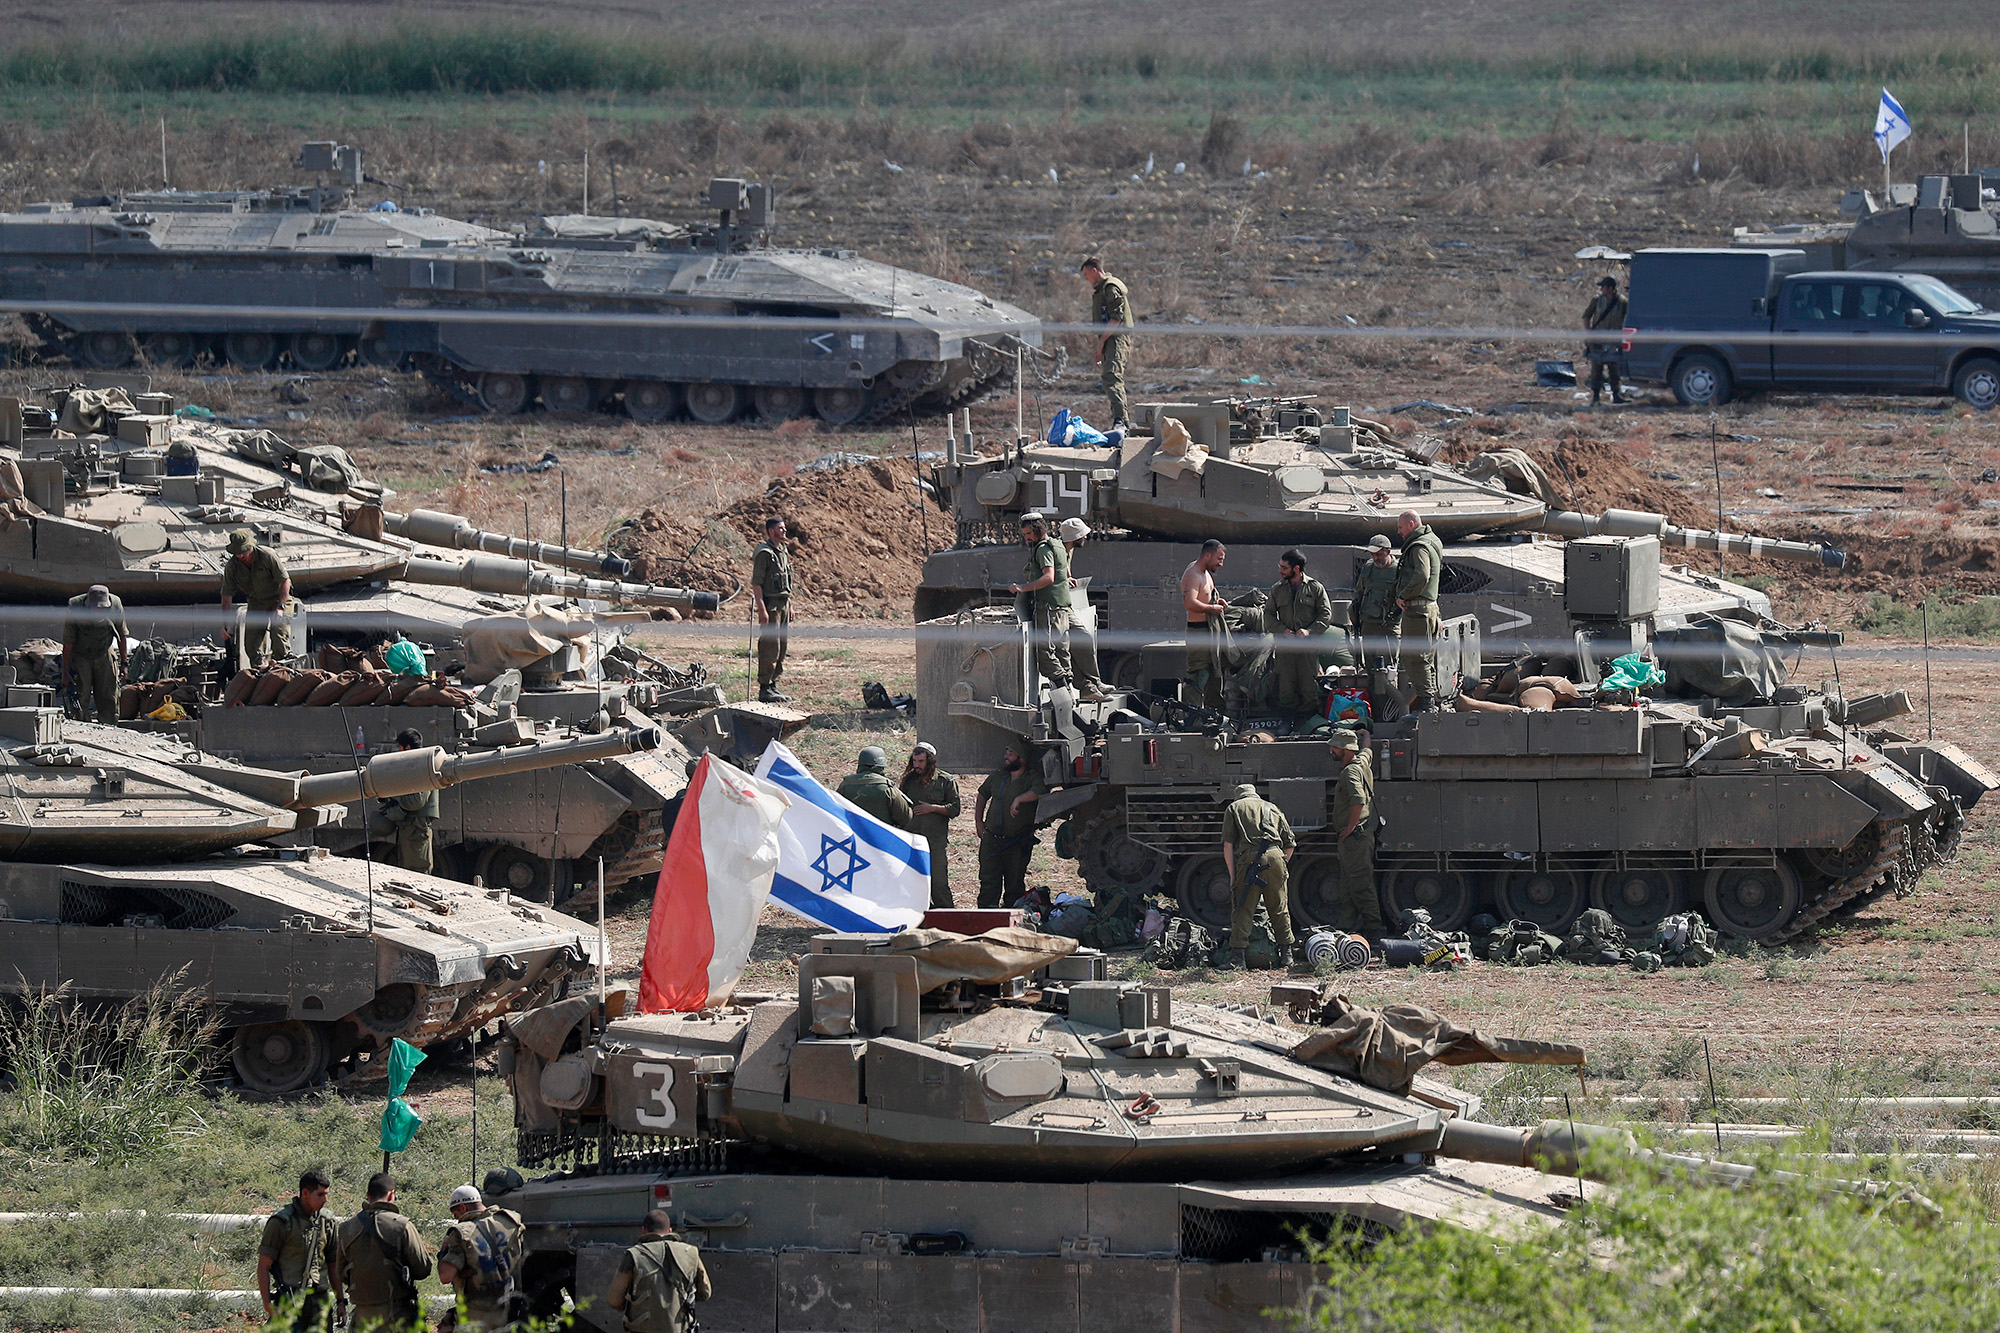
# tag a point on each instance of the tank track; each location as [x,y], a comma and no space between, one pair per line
[1891,867]
[444,375]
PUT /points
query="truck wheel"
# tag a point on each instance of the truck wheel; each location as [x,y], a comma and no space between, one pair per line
[1701,381]
[1977,383]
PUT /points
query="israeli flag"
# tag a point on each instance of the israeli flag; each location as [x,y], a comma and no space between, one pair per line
[1892,124]
[838,864]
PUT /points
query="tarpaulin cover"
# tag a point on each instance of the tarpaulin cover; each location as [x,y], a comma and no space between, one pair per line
[998,955]
[1722,659]
[1386,1048]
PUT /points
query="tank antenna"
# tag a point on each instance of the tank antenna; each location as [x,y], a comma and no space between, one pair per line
[1020,396]
[367,848]
[1930,722]
[474,1172]
[601,992]
[1715,458]
[164,182]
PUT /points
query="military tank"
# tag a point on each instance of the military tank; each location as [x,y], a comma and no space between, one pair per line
[1941,225]
[131,860]
[582,314]
[1264,475]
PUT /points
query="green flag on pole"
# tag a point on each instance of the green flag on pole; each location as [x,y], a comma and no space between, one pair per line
[399,1122]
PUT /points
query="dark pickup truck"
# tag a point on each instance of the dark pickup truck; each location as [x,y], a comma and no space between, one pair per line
[1700,322]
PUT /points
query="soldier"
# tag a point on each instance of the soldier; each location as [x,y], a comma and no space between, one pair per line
[1358,909]
[1048,572]
[1373,612]
[1257,846]
[934,803]
[770,598]
[95,622]
[1004,810]
[1297,609]
[1606,359]
[1110,304]
[295,1257]
[869,787]
[479,1257]
[259,579]
[408,818]
[1072,532]
[1204,624]
[1417,595]
[382,1258]
[659,1280]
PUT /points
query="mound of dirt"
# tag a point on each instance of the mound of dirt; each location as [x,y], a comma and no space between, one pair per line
[1592,476]
[858,540]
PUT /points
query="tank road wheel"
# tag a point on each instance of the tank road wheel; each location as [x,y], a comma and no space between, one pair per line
[518,871]
[278,1058]
[504,394]
[250,351]
[840,406]
[1107,857]
[714,403]
[651,400]
[1977,384]
[171,350]
[1855,857]
[1445,894]
[779,402]
[569,393]
[378,353]
[1552,898]
[1125,671]
[1639,898]
[1203,893]
[1752,902]
[317,351]
[106,349]
[1701,381]
[1315,884]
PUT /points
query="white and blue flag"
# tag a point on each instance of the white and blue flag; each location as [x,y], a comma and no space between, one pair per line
[1892,124]
[838,864]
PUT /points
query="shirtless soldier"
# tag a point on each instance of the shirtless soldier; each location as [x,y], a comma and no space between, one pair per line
[1204,622]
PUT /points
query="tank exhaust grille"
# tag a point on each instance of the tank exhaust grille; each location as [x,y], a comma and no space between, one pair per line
[1229,1235]
[597,1149]
[1456,580]
[153,906]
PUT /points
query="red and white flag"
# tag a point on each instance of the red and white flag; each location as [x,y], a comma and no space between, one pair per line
[712,889]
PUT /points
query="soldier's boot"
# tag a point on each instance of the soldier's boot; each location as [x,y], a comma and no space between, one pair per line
[1235,962]
[1301,960]
[769,695]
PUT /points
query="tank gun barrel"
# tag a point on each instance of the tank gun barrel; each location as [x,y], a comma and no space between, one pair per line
[1638,523]
[454,532]
[407,772]
[517,578]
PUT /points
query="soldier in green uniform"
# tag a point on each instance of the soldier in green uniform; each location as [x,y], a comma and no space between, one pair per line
[1073,532]
[1373,612]
[1048,587]
[258,578]
[1110,304]
[869,787]
[934,803]
[1606,314]
[1358,910]
[1257,845]
[480,1258]
[295,1256]
[409,819]
[1299,613]
[1004,810]
[770,599]
[382,1257]
[1417,595]
[658,1280]
[96,621]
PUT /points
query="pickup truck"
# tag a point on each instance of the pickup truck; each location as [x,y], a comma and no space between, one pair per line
[1701,322]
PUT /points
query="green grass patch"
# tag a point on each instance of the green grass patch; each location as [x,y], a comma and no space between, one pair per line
[1975,618]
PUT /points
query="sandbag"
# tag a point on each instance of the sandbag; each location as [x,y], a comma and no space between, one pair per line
[403,687]
[269,686]
[362,692]
[128,701]
[433,695]
[337,657]
[300,688]
[240,685]
[331,689]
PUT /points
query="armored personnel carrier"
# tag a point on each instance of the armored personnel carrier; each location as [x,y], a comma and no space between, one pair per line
[582,314]
[1942,225]
[130,860]
[927,1136]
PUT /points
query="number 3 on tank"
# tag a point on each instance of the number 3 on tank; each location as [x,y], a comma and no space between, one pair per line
[656,1107]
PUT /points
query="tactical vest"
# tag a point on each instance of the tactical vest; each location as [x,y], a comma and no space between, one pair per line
[663,1290]
[489,1244]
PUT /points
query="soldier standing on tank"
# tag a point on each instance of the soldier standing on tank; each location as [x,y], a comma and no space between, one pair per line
[409,818]
[1417,596]
[1048,587]
[1204,625]
[382,1258]
[934,803]
[296,1257]
[95,622]
[869,787]
[770,598]
[1257,846]
[659,1280]
[1373,612]
[1072,532]
[257,577]
[479,1258]
[1004,810]
[1607,312]
[1298,612]
[1357,909]
[1110,304]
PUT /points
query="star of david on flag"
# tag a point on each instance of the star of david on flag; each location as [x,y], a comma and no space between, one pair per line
[1892,124]
[838,864]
